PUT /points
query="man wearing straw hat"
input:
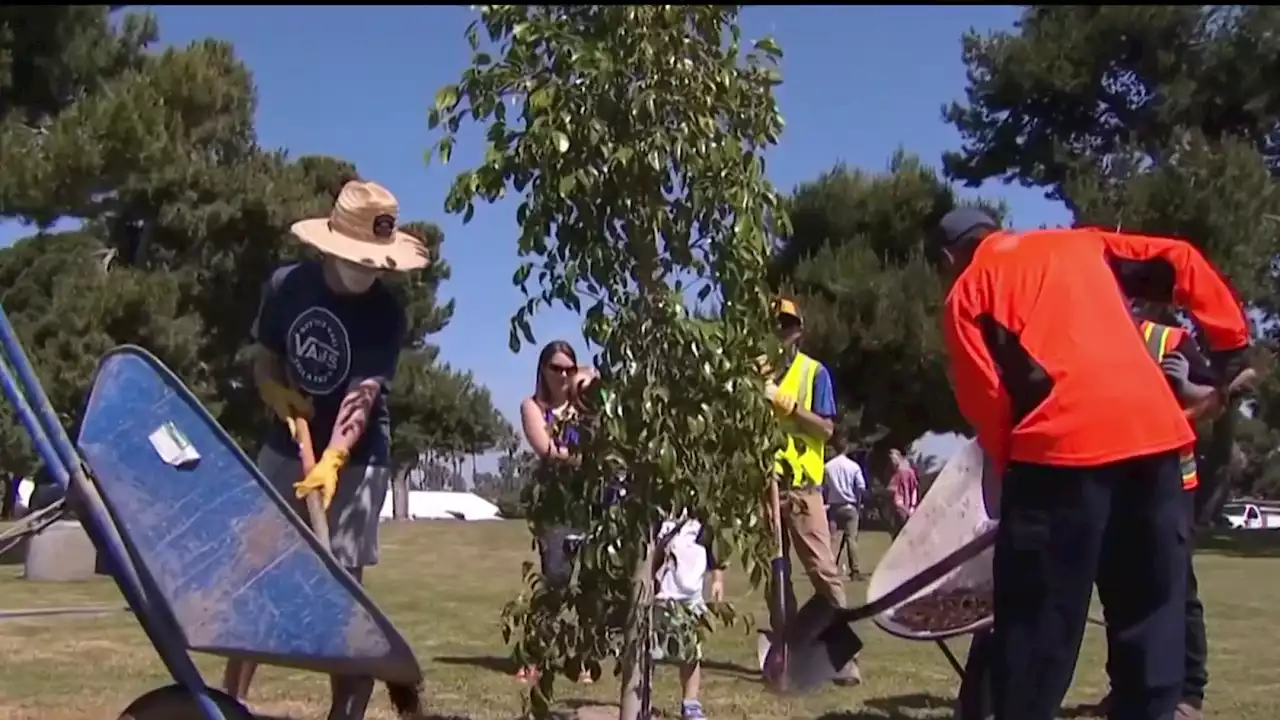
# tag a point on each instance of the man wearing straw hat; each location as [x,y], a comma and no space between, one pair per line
[326,342]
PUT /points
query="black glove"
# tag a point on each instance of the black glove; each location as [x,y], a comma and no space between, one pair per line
[1176,369]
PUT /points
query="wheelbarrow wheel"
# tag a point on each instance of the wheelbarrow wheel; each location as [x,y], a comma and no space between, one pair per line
[174,702]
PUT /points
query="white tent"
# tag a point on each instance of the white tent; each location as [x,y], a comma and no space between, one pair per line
[25,487]
[437,505]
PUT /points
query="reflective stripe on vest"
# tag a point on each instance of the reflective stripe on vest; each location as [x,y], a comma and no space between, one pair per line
[1156,337]
[804,455]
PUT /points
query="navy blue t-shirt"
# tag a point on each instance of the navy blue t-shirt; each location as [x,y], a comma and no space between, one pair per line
[329,343]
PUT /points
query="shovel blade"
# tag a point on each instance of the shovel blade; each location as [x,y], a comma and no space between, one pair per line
[815,653]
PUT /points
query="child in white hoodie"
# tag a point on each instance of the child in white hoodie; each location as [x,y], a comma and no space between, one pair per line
[679,604]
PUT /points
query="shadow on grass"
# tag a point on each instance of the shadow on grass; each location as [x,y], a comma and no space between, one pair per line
[423,716]
[898,707]
[1241,543]
[504,666]
[492,663]
[919,706]
[732,669]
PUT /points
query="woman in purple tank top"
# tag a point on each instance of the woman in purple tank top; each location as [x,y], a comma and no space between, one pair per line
[548,419]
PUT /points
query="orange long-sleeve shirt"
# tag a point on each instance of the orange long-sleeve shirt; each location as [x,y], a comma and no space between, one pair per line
[1047,363]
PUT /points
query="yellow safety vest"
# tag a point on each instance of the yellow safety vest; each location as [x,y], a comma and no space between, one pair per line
[804,454]
[1157,338]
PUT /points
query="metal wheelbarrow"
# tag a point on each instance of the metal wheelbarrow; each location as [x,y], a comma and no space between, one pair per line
[208,556]
[943,551]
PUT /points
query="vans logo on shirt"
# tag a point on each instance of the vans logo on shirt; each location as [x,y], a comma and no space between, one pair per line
[319,351]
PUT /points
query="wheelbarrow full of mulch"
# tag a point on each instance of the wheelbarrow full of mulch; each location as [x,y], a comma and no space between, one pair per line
[933,584]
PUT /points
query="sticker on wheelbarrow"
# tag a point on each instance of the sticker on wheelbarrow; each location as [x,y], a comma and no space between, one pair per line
[172,446]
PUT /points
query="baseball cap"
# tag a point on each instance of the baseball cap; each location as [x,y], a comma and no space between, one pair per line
[787,306]
[956,223]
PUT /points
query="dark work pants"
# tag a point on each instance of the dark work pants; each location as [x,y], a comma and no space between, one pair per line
[1124,526]
[1197,654]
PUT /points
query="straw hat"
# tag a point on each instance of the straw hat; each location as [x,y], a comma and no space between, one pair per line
[362,229]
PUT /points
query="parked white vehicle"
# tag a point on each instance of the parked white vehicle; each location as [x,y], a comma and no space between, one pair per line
[1251,516]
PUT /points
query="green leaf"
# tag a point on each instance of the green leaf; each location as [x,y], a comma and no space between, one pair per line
[769,46]
[446,99]
[541,98]
[561,141]
[445,149]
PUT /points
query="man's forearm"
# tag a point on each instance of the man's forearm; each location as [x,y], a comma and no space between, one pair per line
[814,424]
[353,416]
[1200,400]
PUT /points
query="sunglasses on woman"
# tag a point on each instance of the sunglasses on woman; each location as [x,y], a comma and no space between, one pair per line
[562,370]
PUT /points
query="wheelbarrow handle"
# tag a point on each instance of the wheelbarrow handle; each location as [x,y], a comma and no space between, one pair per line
[908,588]
[315,503]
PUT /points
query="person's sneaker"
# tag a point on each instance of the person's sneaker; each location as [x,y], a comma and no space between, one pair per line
[850,676]
[857,576]
[1187,711]
[527,675]
[692,710]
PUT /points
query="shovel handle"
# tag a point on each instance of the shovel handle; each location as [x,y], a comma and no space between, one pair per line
[1223,398]
[775,517]
[1242,381]
[315,504]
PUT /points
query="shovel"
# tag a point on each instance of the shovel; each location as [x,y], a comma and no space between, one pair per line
[405,699]
[1214,489]
[773,664]
[315,504]
[822,643]
[239,673]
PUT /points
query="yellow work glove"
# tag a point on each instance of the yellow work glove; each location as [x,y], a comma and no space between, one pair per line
[323,478]
[285,402]
[784,403]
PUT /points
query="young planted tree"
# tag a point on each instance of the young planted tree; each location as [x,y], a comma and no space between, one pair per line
[633,136]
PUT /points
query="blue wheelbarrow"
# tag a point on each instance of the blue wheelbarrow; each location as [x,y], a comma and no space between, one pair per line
[208,555]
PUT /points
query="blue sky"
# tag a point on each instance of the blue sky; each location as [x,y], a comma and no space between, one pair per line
[356,82]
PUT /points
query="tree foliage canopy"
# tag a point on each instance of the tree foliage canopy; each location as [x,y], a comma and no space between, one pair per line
[182,216]
[1072,81]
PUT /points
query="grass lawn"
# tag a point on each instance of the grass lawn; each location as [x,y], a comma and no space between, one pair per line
[444,584]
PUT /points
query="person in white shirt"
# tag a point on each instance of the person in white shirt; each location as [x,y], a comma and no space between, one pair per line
[845,486]
[679,607]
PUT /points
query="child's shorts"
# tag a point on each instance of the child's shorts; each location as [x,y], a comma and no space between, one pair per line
[675,630]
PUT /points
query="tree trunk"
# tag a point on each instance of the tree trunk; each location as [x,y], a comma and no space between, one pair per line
[400,495]
[632,700]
